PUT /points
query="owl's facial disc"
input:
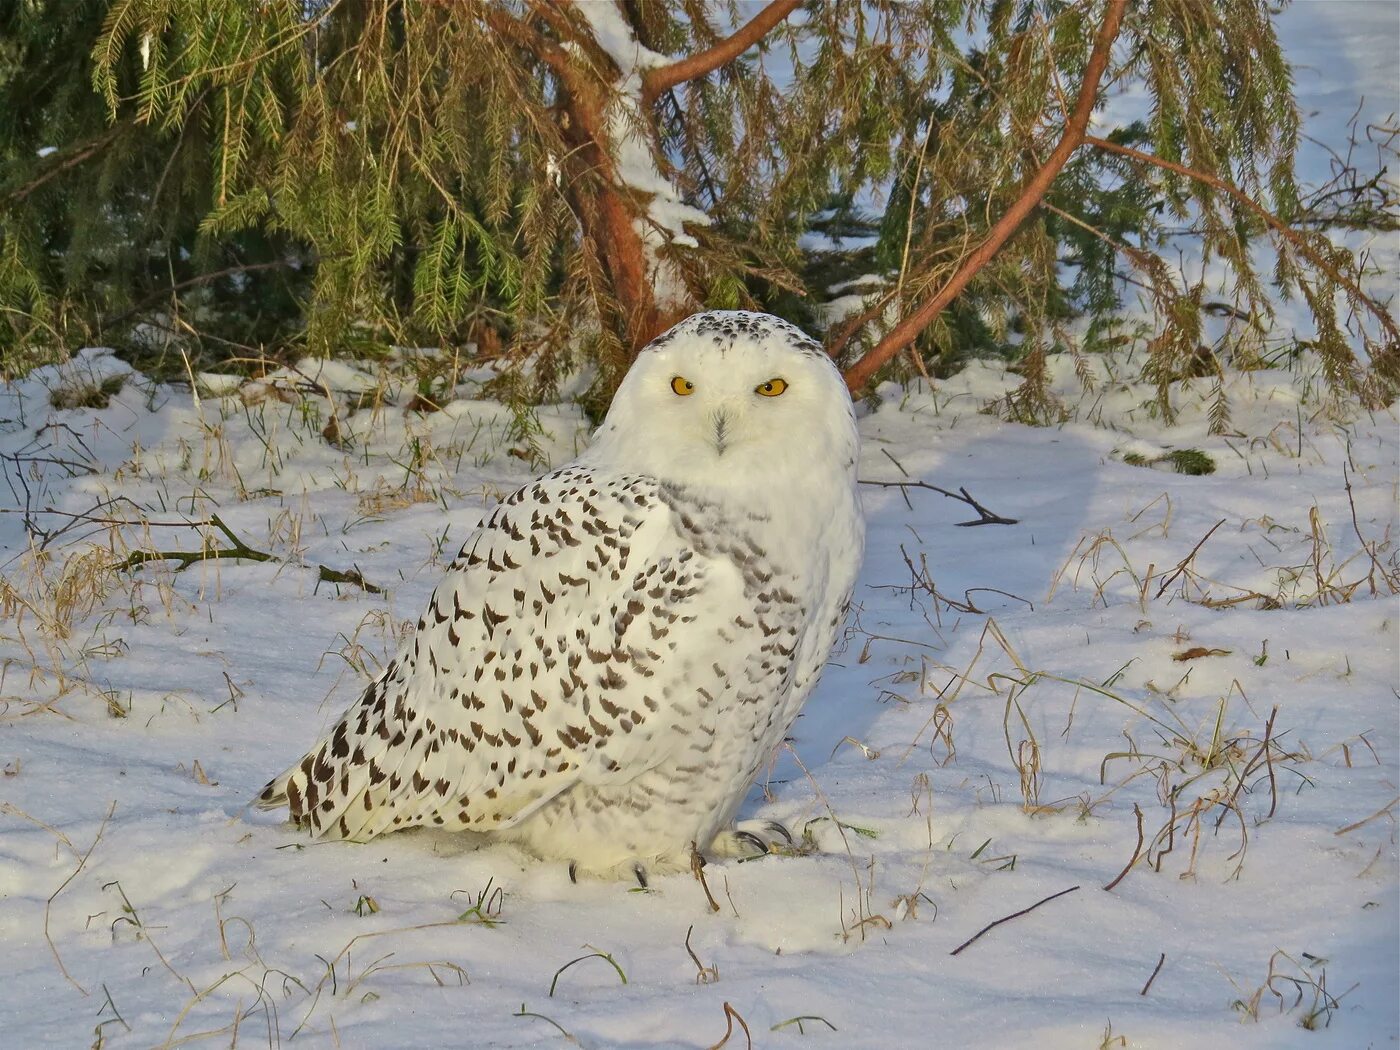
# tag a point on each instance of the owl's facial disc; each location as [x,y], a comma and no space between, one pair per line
[730,400]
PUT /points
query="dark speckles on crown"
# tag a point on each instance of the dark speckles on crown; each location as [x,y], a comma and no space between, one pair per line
[725,326]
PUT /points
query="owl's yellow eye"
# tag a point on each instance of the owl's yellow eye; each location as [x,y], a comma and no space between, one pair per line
[682,386]
[772,388]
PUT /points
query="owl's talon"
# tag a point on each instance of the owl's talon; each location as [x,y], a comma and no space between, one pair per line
[573,872]
[748,838]
[754,840]
[780,830]
[641,874]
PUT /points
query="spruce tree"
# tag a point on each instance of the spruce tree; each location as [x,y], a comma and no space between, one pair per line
[550,179]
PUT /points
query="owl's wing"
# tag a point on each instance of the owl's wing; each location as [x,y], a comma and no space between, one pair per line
[547,657]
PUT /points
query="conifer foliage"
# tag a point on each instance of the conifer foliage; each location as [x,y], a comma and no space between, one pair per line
[546,179]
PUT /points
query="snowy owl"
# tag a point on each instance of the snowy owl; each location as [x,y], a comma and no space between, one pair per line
[621,645]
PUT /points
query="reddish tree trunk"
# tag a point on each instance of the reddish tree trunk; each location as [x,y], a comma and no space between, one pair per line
[607,211]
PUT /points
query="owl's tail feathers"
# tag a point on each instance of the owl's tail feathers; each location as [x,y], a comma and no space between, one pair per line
[274,795]
[288,789]
[318,790]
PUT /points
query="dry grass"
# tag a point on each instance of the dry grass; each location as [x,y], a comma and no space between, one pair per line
[1208,776]
[1321,576]
[1289,986]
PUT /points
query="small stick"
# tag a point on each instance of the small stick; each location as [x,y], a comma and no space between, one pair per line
[1008,918]
[984,516]
[707,974]
[1264,754]
[1156,970]
[1137,851]
[1369,548]
[1181,565]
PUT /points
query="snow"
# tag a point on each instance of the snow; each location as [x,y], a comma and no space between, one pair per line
[977,762]
[635,157]
[616,38]
[141,712]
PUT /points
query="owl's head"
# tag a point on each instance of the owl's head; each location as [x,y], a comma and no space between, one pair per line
[730,397]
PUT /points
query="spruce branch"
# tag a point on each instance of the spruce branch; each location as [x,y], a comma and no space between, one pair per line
[527,38]
[1292,236]
[70,158]
[727,50]
[904,334]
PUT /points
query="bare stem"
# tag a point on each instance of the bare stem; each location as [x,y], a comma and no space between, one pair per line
[984,516]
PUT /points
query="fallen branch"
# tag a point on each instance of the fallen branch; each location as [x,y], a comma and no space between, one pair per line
[1008,918]
[239,551]
[1074,136]
[984,516]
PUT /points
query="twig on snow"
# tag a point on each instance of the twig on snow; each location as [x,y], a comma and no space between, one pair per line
[48,905]
[1155,971]
[984,516]
[1137,851]
[1008,918]
[730,1016]
[1182,565]
[238,550]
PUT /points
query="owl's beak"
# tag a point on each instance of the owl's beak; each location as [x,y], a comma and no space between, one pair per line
[721,422]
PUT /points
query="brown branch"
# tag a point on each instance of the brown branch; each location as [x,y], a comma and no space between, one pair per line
[663,78]
[1008,918]
[730,1016]
[1185,562]
[526,37]
[844,332]
[697,868]
[72,160]
[984,516]
[1076,128]
[1292,236]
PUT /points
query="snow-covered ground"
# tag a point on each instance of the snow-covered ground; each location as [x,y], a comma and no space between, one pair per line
[1000,715]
